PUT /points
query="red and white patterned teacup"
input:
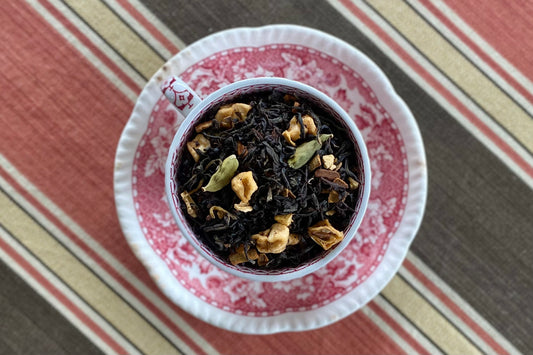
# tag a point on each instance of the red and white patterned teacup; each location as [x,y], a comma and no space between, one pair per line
[194,108]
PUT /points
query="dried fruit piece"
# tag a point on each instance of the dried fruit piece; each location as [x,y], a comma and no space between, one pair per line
[340,182]
[293,133]
[243,207]
[273,240]
[305,151]
[288,98]
[324,234]
[223,175]
[244,186]
[329,161]
[333,197]
[239,256]
[315,163]
[354,185]
[295,105]
[262,260]
[241,149]
[285,219]
[199,143]
[220,213]
[204,125]
[227,113]
[294,239]
[287,193]
[192,209]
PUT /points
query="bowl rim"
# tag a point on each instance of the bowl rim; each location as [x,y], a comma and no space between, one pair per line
[181,135]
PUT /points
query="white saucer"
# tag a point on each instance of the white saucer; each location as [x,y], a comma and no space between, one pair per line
[395,209]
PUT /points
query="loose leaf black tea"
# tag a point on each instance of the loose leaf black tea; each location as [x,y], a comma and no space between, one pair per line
[269,181]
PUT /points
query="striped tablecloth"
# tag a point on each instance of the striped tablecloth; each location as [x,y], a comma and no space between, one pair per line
[71,71]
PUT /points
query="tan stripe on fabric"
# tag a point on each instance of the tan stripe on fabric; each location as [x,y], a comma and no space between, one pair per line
[427,318]
[463,73]
[118,35]
[82,280]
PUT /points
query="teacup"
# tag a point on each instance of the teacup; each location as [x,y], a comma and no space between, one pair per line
[194,109]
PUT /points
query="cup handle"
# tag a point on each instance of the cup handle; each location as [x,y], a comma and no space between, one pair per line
[180,95]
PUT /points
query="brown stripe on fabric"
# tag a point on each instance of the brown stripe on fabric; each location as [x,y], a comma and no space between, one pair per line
[477,231]
[40,328]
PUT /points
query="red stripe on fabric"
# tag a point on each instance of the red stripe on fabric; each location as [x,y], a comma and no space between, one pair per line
[356,334]
[505,25]
[484,56]
[453,307]
[148,26]
[88,43]
[60,297]
[397,328]
[61,120]
[101,262]
[499,142]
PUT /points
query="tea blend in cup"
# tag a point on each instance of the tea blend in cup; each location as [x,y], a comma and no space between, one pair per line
[268,180]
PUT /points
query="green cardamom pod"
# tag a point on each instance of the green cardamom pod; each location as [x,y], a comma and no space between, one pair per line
[304,152]
[223,175]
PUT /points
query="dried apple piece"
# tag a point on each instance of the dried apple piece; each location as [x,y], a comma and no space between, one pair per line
[325,235]
[240,256]
[273,240]
[199,143]
[227,113]
[293,133]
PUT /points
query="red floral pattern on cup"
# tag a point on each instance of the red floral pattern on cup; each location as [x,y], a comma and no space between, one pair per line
[385,208]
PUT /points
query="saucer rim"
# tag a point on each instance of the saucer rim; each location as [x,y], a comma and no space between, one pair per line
[291,321]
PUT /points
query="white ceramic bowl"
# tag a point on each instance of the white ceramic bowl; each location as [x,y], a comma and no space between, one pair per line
[194,109]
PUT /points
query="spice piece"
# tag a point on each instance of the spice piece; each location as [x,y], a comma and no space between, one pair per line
[273,240]
[191,205]
[239,256]
[354,185]
[227,113]
[285,219]
[315,163]
[327,174]
[330,213]
[305,151]
[199,143]
[293,133]
[223,175]
[324,234]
